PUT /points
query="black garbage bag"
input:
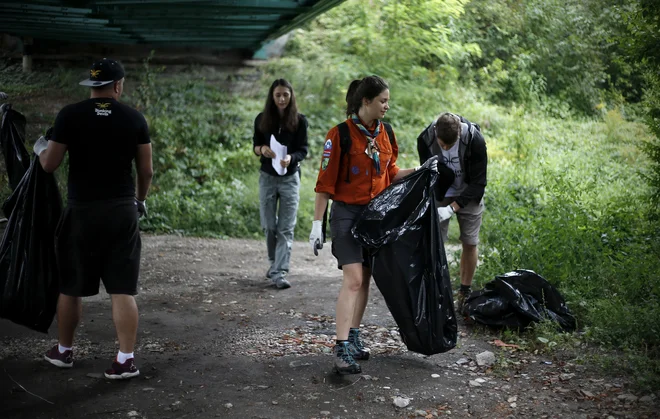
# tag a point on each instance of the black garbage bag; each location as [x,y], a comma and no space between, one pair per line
[29,279]
[517,299]
[12,140]
[400,229]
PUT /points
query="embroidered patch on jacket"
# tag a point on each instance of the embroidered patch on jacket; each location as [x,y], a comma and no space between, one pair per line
[355,170]
[324,163]
[328,144]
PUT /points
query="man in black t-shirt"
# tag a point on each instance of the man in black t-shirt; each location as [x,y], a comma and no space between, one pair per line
[98,236]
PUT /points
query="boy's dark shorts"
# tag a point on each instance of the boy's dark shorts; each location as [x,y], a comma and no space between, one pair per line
[99,241]
[345,248]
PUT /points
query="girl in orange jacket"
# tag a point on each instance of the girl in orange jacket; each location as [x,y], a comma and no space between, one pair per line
[352,180]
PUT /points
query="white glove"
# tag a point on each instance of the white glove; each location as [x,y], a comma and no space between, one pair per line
[40,146]
[431,163]
[445,213]
[316,236]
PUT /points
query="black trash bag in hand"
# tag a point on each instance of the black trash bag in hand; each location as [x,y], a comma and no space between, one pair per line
[400,228]
[12,140]
[29,278]
[517,299]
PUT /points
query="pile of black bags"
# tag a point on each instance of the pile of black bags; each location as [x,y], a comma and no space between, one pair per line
[517,299]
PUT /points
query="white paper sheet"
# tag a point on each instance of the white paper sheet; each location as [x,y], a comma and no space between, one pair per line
[280,154]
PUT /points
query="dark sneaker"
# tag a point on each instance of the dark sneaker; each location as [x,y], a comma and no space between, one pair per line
[344,361]
[268,277]
[122,371]
[356,346]
[282,283]
[62,360]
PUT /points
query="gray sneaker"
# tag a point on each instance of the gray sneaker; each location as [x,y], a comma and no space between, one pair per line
[282,283]
[344,361]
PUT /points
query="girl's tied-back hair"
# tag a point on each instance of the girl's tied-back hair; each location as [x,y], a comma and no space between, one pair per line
[367,88]
[271,117]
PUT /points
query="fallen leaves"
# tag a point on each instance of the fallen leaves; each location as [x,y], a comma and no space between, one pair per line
[501,344]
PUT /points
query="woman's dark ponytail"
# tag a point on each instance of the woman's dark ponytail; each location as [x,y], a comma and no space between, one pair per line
[367,88]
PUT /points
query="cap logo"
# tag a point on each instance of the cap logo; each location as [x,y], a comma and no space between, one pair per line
[94,73]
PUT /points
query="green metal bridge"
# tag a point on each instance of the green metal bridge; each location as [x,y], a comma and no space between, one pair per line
[215,24]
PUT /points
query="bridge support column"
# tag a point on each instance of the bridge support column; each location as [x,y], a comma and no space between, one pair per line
[27,54]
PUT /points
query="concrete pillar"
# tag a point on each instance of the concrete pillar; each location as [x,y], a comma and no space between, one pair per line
[27,54]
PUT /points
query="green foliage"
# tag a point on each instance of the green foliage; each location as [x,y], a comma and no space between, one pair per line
[644,38]
[565,49]
[147,84]
[201,138]
[567,208]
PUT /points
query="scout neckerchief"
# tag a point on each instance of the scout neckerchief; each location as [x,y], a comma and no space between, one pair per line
[372,148]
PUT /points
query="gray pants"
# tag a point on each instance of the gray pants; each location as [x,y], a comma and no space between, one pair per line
[278,222]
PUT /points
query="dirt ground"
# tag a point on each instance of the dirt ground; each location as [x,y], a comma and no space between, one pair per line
[216,340]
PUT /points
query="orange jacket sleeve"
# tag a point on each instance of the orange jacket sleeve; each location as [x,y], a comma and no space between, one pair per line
[330,162]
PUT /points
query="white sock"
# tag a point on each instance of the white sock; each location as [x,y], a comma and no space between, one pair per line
[122,357]
[62,349]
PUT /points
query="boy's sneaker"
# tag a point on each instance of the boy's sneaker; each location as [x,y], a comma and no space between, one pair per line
[62,360]
[122,371]
[344,361]
[358,350]
[282,283]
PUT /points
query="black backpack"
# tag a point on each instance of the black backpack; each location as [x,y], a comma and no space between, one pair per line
[345,143]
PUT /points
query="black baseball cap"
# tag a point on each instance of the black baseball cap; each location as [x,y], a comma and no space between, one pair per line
[104,72]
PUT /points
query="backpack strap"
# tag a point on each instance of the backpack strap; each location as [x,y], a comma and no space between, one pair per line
[345,147]
[323,223]
[390,133]
[473,130]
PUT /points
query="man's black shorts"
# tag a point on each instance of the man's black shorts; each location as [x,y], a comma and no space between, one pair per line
[99,241]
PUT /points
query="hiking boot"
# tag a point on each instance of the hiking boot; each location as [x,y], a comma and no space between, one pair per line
[344,361]
[463,294]
[62,360]
[282,283]
[356,346]
[122,371]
